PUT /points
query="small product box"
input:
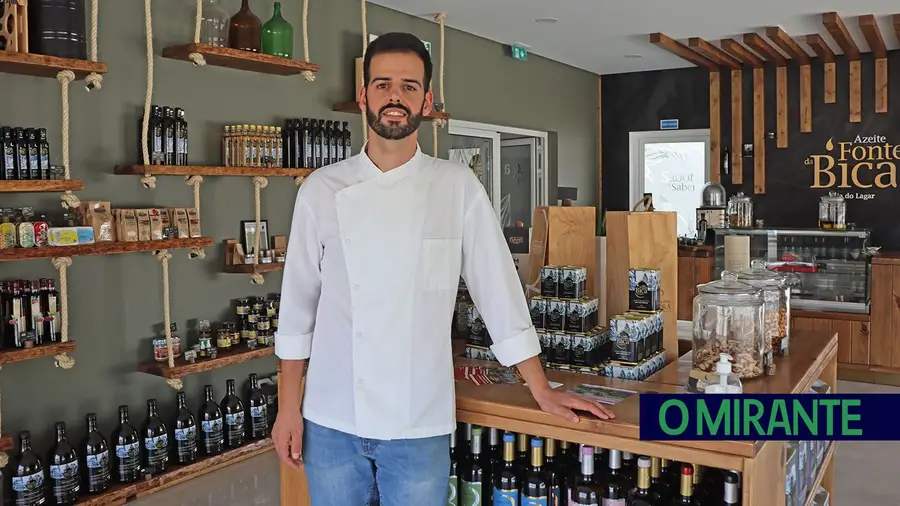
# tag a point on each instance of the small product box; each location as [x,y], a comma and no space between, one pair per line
[538,306]
[626,334]
[639,371]
[478,332]
[561,349]
[544,338]
[556,315]
[643,289]
[571,282]
[581,315]
[549,281]
[584,349]
[655,321]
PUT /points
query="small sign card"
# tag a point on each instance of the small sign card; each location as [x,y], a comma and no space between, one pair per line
[601,394]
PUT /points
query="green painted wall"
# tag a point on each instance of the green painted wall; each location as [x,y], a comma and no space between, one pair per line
[116,301]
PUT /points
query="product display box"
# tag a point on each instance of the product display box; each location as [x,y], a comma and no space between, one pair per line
[636,335]
[479,353]
[563,281]
[635,371]
[643,289]
[561,315]
[803,459]
[582,349]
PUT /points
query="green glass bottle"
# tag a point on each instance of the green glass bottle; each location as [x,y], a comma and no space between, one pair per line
[278,35]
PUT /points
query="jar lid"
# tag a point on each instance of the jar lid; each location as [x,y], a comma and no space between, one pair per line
[740,197]
[833,197]
[758,272]
[729,285]
[159,342]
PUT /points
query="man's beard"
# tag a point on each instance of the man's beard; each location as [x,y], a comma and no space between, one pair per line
[394,132]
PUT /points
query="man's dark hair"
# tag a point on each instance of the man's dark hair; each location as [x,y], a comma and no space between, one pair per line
[398,42]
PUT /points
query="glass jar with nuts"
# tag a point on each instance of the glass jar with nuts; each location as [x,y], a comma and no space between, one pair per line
[728,318]
[777,308]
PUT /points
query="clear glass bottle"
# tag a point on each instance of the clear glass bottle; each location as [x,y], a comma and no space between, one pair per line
[777,316]
[728,318]
[740,211]
[278,35]
[244,29]
[214,24]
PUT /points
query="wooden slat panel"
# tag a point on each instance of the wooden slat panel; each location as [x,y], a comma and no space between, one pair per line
[831,83]
[764,49]
[737,125]
[839,33]
[713,53]
[734,48]
[802,324]
[859,343]
[759,131]
[715,127]
[781,113]
[881,85]
[805,98]
[821,324]
[881,330]
[872,33]
[686,288]
[787,44]
[855,91]
[819,46]
[680,50]
[844,331]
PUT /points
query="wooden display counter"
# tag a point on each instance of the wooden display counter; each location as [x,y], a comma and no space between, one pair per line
[695,267]
[511,407]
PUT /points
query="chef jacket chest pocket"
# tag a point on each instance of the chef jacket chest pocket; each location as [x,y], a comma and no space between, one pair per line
[441,263]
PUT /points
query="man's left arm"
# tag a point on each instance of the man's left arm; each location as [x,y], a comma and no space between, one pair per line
[493,283]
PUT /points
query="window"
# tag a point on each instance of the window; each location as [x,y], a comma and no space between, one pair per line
[673,166]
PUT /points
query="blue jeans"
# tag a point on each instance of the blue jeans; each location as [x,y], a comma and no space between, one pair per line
[346,470]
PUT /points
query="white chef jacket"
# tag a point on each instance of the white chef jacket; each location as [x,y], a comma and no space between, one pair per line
[370,286]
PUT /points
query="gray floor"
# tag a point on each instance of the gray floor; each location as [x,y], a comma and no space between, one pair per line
[866,474]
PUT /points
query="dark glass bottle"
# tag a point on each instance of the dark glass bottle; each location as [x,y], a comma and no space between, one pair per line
[567,459]
[495,447]
[181,137]
[506,481]
[34,154]
[616,483]
[289,149]
[35,319]
[555,473]
[583,490]
[308,150]
[347,153]
[95,458]
[44,156]
[685,495]
[233,411]
[185,432]
[51,312]
[535,489]
[327,132]
[629,466]
[702,493]
[726,160]
[318,136]
[453,486]
[155,441]
[641,495]
[155,136]
[522,456]
[660,489]
[27,475]
[211,431]
[7,154]
[168,128]
[475,485]
[65,481]
[22,172]
[258,424]
[245,29]
[732,492]
[336,140]
[670,472]
[127,457]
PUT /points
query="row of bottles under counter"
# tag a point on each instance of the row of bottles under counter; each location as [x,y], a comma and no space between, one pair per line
[490,467]
[130,454]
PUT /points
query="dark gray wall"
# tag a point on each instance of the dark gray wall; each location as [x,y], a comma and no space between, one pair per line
[116,301]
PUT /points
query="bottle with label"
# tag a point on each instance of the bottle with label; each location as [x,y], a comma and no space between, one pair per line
[50,307]
[685,495]
[318,136]
[335,137]
[211,430]
[475,484]
[155,440]
[555,474]
[27,475]
[732,492]
[185,431]
[245,29]
[583,490]
[233,411]
[7,154]
[289,149]
[35,321]
[347,153]
[660,489]
[307,134]
[168,132]
[453,488]
[506,481]
[21,142]
[629,466]
[155,136]
[181,137]
[43,153]
[65,482]
[95,458]
[535,489]
[495,448]
[16,327]
[616,484]
[258,425]
[641,495]
[34,154]
[327,135]
[126,462]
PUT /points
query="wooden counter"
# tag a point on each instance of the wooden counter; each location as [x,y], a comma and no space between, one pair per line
[695,267]
[511,407]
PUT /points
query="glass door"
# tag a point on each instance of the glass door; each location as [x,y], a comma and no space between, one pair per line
[519,173]
[478,150]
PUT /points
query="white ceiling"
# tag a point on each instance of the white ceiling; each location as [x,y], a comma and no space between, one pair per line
[596,35]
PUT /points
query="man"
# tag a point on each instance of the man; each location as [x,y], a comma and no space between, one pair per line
[378,244]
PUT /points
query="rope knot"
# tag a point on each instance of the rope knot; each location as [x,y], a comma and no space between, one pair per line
[94,80]
[177,384]
[198,59]
[309,75]
[193,180]
[440,17]
[440,122]
[197,253]
[257,278]
[4,459]
[260,181]
[70,201]
[299,180]
[163,256]
[149,181]
[64,361]
[65,77]
[61,263]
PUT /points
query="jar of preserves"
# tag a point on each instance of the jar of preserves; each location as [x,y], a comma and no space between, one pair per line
[833,212]
[740,211]
[728,318]
[776,293]
[160,350]
[243,307]
[259,303]
[223,339]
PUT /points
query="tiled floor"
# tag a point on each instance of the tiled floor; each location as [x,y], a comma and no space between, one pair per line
[865,475]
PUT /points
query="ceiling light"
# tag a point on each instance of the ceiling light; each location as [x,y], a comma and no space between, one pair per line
[632,56]
[546,21]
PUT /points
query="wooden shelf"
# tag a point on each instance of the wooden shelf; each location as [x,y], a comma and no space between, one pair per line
[224,358]
[102,248]
[249,268]
[208,170]
[6,443]
[827,461]
[120,494]
[44,350]
[353,108]
[240,60]
[41,186]
[39,65]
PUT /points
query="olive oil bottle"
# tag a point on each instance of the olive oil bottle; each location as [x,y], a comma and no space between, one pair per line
[155,439]
[65,482]
[185,432]
[127,457]
[211,430]
[95,458]
[27,475]
[256,403]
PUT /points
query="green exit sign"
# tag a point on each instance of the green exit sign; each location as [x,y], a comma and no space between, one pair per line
[519,53]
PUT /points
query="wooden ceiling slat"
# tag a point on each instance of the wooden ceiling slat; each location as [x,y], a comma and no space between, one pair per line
[713,53]
[870,30]
[787,44]
[682,51]
[896,22]
[735,49]
[819,46]
[839,33]
[764,49]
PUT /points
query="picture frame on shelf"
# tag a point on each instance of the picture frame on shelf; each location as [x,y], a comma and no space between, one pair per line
[247,235]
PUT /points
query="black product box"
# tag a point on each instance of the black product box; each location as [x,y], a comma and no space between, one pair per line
[545,340]
[581,315]
[643,289]
[538,306]
[478,332]
[571,282]
[549,281]
[556,314]
[561,348]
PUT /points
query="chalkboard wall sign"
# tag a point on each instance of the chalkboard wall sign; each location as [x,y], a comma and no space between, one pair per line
[858,160]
